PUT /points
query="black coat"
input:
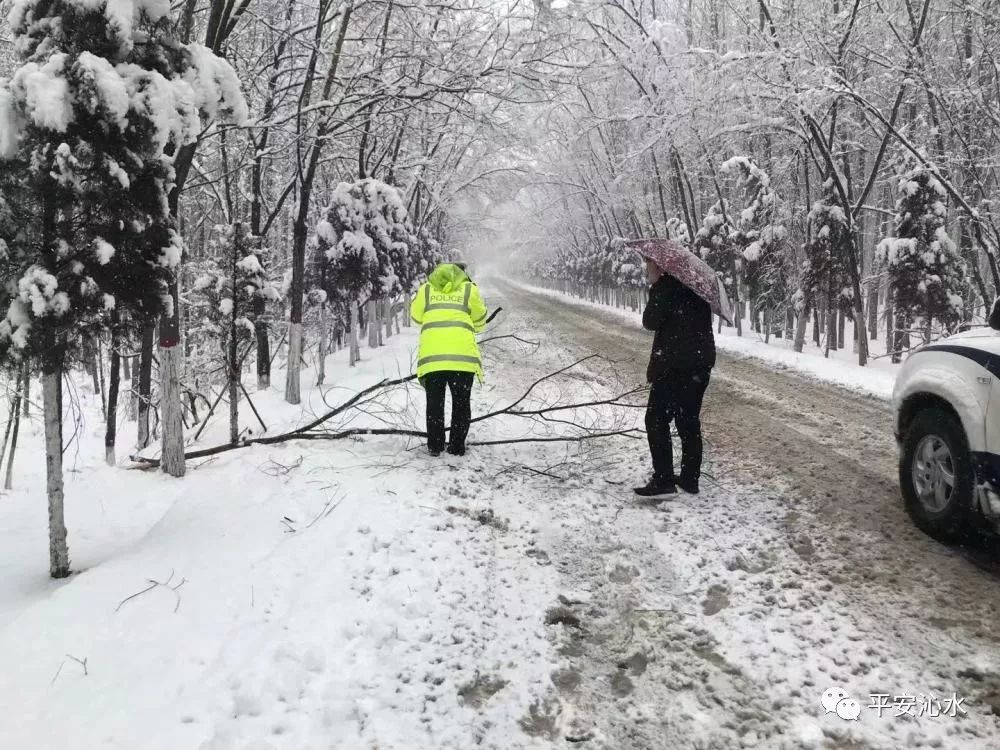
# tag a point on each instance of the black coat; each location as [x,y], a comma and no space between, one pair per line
[683,324]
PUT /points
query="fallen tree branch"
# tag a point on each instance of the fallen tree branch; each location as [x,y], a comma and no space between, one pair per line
[510,409]
[309,431]
[300,433]
[154,584]
[508,336]
[635,434]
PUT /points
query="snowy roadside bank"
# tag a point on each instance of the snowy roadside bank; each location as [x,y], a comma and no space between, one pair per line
[875,380]
[344,594]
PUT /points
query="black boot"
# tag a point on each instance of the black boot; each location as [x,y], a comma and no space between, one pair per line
[656,488]
[456,450]
[690,486]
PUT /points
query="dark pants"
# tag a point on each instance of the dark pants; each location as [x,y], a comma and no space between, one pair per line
[676,397]
[460,385]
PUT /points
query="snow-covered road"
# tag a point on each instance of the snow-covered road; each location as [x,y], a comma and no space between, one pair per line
[718,621]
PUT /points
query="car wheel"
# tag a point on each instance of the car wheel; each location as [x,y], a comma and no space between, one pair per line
[936,476]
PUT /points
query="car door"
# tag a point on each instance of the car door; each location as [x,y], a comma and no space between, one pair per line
[990,461]
[993,411]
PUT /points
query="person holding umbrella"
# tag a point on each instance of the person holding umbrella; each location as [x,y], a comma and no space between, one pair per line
[683,293]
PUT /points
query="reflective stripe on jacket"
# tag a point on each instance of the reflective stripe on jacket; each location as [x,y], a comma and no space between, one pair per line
[450,312]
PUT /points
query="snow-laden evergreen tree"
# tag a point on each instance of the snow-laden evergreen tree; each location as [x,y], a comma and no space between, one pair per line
[103,97]
[825,272]
[231,291]
[760,236]
[627,273]
[425,254]
[925,269]
[713,244]
[367,240]
[678,230]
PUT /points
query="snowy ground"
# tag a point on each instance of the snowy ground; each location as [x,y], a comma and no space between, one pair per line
[361,595]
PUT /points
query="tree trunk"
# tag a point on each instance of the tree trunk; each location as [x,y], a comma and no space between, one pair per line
[171,398]
[132,413]
[831,328]
[145,383]
[321,356]
[90,361]
[873,311]
[800,329]
[14,407]
[16,416]
[235,376]
[126,363]
[171,411]
[293,382]
[26,393]
[293,375]
[260,328]
[890,326]
[355,355]
[100,373]
[900,327]
[110,433]
[52,397]
[373,329]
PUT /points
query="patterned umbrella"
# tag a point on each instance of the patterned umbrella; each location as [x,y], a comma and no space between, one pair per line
[673,258]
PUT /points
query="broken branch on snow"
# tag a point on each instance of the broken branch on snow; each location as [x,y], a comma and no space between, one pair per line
[314,430]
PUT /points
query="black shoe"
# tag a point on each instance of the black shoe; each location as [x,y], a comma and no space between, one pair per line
[452,450]
[655,489]
[433,452]
[690,486]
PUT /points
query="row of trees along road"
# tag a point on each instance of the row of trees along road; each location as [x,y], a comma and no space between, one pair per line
[189,190]
[835,161]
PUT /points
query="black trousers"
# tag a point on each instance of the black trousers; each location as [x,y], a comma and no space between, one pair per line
[460,385]
[676,396]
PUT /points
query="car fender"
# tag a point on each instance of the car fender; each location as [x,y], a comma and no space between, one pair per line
[968,401]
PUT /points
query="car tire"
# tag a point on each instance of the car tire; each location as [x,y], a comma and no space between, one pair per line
[934,448]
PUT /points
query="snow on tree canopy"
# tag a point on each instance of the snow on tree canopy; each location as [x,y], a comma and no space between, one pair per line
[215,85]
[713,245]
[825,270]
[43,93]
[102,99]
[760,234]
[120,19]
[924,266]
[365,244]
[231,289]
[104,251]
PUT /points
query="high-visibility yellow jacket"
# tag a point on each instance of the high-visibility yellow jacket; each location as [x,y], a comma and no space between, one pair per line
[450,313]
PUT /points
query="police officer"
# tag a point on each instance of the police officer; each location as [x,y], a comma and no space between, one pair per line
[450,312]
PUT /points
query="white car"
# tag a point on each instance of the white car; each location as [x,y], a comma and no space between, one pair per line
[947,405]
